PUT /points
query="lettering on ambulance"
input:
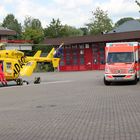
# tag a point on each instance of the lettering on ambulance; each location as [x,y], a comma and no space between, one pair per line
[19,65]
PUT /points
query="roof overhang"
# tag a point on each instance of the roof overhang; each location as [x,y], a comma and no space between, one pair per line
[5,31]
[104,38]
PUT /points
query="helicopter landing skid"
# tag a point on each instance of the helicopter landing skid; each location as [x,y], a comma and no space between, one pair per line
[37,80]
[20,81]
[26,82]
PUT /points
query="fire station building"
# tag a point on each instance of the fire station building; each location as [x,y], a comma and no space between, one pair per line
[88,52]
[13,44]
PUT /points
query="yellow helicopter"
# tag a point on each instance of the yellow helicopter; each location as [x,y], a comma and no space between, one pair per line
[16,65]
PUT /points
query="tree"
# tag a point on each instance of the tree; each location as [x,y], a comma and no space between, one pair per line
[123,20]
[68,31]
[85,30]
[33,23]
[138,3]
[100,22]
[11,23]
[56,29]
[33,30]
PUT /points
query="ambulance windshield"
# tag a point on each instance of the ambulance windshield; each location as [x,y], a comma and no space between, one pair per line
[120,57]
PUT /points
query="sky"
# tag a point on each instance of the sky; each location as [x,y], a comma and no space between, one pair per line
[71,12]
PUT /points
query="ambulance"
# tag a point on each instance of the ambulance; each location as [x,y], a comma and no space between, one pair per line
[122,62]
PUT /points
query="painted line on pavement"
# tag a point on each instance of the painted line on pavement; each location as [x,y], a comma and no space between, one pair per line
[32,84]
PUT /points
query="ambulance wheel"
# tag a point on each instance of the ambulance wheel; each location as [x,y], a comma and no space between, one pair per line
[19,81]
[106,82]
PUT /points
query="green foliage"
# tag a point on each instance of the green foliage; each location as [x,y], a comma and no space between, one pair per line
[56,29]
[36,35]
[33,30]
[68,31]
[28,52]
[100,22]
[123,20]
[11,23]
[85,30]
[44,67]
[33,23]
[44,48]
[138,20]
[138,3]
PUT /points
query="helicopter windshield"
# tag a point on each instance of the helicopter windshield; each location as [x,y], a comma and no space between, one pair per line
[120,57]
[2,46]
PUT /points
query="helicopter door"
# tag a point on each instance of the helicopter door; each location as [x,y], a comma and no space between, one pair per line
[9,67]
[1,62]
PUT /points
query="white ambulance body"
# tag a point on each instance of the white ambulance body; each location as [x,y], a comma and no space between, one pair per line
[122,62]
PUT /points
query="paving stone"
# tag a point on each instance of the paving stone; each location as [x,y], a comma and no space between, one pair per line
[70,106]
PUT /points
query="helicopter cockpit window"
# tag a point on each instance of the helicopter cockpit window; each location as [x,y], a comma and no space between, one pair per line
[8,65]
[2,47]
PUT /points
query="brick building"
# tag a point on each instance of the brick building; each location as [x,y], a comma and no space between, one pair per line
[88,52]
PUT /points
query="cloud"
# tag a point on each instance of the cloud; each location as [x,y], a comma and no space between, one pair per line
[8,1]
[72,12]
[3,12]
[68,12]
[120,8]
[73,3]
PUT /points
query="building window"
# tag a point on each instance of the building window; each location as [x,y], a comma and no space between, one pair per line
[62,54]
[102,55]
[68,61]
[62,63]
[81,52]
[74,46]
[68,51]
[75,60]
[75,56]
[67,47]
[68,55]
[81,46]
[95,54]
[87,46]
[82,57]
[82,62]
